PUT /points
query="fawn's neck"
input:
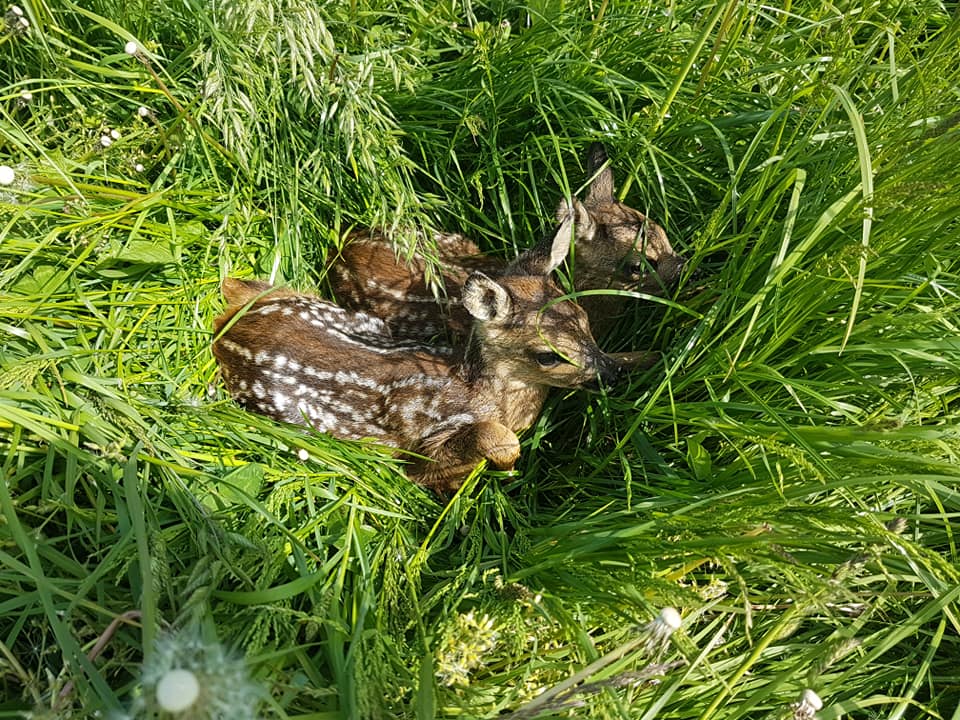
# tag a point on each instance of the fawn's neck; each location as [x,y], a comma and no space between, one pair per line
[517,400]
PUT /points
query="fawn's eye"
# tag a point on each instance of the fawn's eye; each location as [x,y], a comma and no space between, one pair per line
[549,359]
[635,271]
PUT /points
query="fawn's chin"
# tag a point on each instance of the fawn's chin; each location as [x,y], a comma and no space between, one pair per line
[592,386]
[596,385]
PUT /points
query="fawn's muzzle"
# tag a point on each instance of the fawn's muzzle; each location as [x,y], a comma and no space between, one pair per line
[609,372]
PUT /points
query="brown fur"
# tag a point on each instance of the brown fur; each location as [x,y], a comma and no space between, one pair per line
[300,359]
[617,247]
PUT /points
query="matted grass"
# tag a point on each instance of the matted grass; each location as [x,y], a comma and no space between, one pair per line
[786,478]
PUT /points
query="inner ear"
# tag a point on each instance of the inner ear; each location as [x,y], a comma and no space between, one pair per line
[486,299]
[585,227]
[547,255]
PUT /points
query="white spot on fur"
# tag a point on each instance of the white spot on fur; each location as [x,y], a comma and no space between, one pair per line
[236,348]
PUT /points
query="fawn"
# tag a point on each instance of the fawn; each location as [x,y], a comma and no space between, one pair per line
[303,360]
[617,247]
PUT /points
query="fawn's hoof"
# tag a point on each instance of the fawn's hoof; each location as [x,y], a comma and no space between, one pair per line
[498,444]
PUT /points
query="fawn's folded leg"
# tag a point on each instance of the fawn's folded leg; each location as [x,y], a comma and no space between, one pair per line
[450,458]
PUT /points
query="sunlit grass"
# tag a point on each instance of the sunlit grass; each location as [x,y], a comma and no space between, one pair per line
[786,477]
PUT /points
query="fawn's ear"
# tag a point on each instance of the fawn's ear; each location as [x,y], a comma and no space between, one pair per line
[239,292]
[601,187]
[546,256]
[586,228]
[486,299]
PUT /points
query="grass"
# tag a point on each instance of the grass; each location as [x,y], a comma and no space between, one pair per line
[787,477]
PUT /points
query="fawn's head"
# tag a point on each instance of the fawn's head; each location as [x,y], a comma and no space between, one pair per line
[526,331]
[617,246]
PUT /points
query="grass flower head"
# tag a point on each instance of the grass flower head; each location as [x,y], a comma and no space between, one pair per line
[463,648]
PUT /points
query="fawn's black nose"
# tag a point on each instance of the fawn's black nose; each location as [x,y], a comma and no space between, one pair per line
[668,268]
[609,372]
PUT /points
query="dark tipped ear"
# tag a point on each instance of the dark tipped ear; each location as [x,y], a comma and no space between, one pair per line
[486,299]
[546,256]
[598,168]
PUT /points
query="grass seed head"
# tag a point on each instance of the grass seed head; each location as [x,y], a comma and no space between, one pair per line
[464,648]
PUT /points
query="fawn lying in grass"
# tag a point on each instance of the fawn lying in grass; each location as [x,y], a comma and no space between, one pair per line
[303,360]
[617,247]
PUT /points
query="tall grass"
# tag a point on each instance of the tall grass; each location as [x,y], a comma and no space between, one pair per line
[786,477]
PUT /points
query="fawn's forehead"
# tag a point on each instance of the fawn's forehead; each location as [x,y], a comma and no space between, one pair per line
[530,292]
[628,230]
[539,295]
[616,213]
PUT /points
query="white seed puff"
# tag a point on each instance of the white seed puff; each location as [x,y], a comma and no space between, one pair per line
[177,691]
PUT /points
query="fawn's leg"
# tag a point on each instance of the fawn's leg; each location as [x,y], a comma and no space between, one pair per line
[451,458]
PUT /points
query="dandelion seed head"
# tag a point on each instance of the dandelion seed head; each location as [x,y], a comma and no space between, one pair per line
[16,23]
[177,691]
[811,699]
[670,618]
[131,48]
[807,706]
[187,673]
[660,629]
[7,175]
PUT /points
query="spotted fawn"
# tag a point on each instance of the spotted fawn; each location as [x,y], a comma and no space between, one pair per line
[300,359]
[617,247]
